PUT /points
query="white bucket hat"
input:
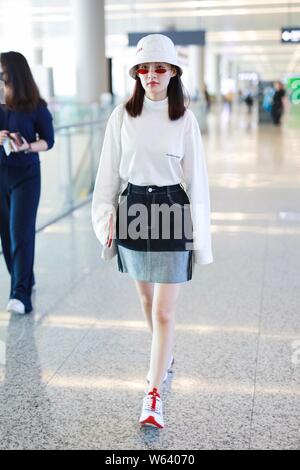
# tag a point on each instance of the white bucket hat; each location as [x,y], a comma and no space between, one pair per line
[154,48]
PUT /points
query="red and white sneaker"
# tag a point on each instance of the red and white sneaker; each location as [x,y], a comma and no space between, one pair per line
[170,365]
[152,414]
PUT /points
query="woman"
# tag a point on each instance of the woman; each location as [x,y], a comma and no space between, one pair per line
[149,149]
[277,104]
[25,129]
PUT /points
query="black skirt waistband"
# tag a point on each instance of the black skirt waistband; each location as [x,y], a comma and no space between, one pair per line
[152,189]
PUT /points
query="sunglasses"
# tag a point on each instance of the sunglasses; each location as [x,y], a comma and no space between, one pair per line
[144,70]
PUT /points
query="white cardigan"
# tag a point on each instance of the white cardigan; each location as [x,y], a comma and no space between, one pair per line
[153,150]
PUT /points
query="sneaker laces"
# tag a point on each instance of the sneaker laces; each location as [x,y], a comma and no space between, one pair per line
[152,401]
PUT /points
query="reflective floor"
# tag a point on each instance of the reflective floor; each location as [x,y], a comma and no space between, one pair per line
[72,375]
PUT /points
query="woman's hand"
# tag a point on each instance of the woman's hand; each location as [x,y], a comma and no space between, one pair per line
[110,235]
[3,135]
[19,148]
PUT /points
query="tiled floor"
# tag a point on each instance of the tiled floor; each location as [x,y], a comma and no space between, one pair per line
[72,374]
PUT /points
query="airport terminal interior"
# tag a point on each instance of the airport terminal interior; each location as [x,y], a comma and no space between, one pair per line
[73,372]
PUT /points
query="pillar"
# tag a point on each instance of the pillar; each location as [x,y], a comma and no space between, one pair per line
[91,66]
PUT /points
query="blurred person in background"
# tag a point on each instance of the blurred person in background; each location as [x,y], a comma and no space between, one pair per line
[277,109]
[249,101]
[207,98]
[26,128]
[228,98]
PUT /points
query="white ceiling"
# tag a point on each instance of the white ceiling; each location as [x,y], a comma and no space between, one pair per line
[244,31]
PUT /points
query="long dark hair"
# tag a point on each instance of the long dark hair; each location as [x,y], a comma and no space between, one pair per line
[25,94]
[175,92]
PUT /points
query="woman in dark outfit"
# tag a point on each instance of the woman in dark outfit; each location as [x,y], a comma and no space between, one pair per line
[26,113]
[277,105]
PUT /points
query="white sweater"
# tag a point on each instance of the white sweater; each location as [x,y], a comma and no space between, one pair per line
[153,150]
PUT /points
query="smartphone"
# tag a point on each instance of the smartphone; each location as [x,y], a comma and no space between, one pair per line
[17,138]
[7,146]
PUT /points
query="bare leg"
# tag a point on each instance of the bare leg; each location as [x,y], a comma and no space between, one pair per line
[145,291]
[163,317]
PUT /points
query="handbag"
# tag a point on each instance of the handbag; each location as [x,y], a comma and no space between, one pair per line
[109,253]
